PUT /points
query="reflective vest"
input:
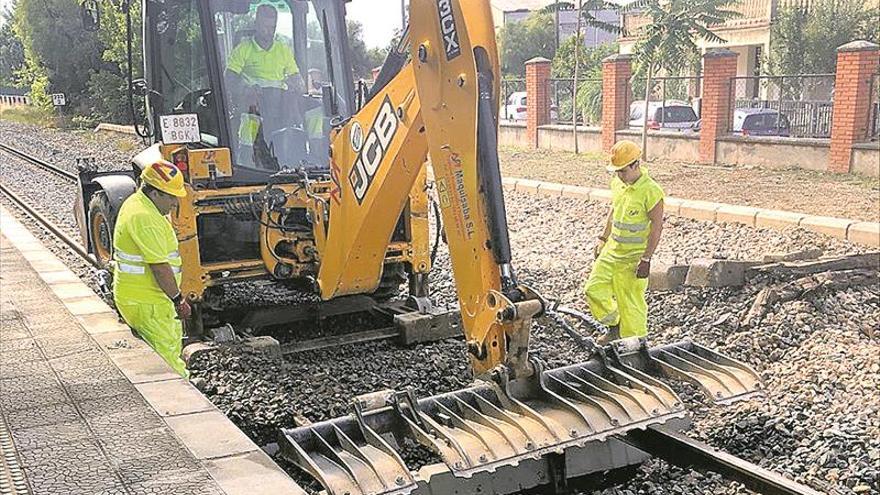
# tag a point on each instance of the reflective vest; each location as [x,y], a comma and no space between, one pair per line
[630,224]
[142,237]
[264,68]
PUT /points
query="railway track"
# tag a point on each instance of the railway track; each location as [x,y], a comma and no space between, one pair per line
[41,219]
[81,252]
[60,172]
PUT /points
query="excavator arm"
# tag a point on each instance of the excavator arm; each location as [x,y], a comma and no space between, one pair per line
[441,105]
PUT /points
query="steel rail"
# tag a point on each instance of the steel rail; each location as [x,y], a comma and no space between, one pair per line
[38,162]
[683,451]
[51,227]
[337,340]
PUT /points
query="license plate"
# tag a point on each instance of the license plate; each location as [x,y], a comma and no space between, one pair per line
[181,128]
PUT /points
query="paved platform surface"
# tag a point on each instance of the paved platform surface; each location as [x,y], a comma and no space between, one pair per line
[87,408]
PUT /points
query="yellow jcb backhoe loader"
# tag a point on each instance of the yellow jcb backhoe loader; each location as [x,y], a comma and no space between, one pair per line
[293,184]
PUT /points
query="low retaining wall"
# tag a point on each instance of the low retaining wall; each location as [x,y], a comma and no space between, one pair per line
[866,233]
[770,152]
[774,152]
[122,129]
[866,159]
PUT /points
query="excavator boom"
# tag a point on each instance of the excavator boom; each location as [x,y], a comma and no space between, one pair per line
[442,105]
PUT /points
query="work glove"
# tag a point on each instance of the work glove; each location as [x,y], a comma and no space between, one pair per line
[183,309]
[597,249]
[644,268]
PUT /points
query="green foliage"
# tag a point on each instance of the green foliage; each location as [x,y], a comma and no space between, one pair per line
[362,60]
[590,57]
[11,50]
[534,36]
[113,37]
[669,39]
[589,92]
[56,45]
[44,117]
[108,100]
[805,41]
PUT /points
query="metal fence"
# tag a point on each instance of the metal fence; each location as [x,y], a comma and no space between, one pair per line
[674,103]
[510,110]
[564,102]
[788,106]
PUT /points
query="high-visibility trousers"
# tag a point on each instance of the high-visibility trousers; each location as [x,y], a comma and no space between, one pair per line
[617,297]
[158,325]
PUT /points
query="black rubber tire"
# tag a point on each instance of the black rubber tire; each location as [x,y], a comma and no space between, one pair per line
[393,276]
[101,224]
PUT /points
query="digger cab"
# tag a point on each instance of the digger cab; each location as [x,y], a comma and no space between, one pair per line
[264,78]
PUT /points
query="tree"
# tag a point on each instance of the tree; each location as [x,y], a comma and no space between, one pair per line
[670,37]
[534,36]
[362,60]
[805,41]
[57,49]
[588,98]
[589,56]
[11,50]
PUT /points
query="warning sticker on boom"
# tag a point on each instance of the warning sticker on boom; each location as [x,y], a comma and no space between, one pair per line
[448,29]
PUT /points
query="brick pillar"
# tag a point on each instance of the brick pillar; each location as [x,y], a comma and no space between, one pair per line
[857,62]
[537,97]
[719,66]
[616,73]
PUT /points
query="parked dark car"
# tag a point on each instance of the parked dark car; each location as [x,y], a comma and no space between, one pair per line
[760,122]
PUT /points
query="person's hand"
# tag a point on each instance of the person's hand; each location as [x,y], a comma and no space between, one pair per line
[183,309]
[644,268]
[597,249]
[252,96]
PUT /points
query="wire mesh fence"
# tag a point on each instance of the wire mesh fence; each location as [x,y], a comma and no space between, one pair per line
[587,101]
[673,103]
[789,106]
[513,99]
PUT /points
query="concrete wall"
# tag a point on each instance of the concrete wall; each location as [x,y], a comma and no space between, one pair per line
[866,159]
[513,134]
[561,137]
[680,146]
[773,152]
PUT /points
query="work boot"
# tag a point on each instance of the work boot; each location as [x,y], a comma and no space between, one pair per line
[612,335]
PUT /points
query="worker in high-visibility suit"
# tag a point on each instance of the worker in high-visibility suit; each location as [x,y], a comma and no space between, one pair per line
[259,63]
[616,287]
[147,265]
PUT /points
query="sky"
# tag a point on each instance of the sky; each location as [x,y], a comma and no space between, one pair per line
[379,17]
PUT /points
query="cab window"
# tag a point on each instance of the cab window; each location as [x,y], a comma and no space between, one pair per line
[181,67]
[272,63]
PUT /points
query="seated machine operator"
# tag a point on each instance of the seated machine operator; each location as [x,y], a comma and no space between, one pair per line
[260,66]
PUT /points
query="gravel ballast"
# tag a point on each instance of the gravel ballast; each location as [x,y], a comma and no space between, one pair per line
[820,421]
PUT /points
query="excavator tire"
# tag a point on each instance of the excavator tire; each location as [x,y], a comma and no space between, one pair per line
[101,224]
[393,276]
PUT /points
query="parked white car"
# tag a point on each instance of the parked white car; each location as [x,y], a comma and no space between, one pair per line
[674,115]
[515,109]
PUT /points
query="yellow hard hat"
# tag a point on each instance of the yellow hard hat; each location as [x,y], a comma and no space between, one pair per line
[166,177]
[623,153]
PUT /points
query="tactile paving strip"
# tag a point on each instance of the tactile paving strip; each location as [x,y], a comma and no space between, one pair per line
[12,480]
